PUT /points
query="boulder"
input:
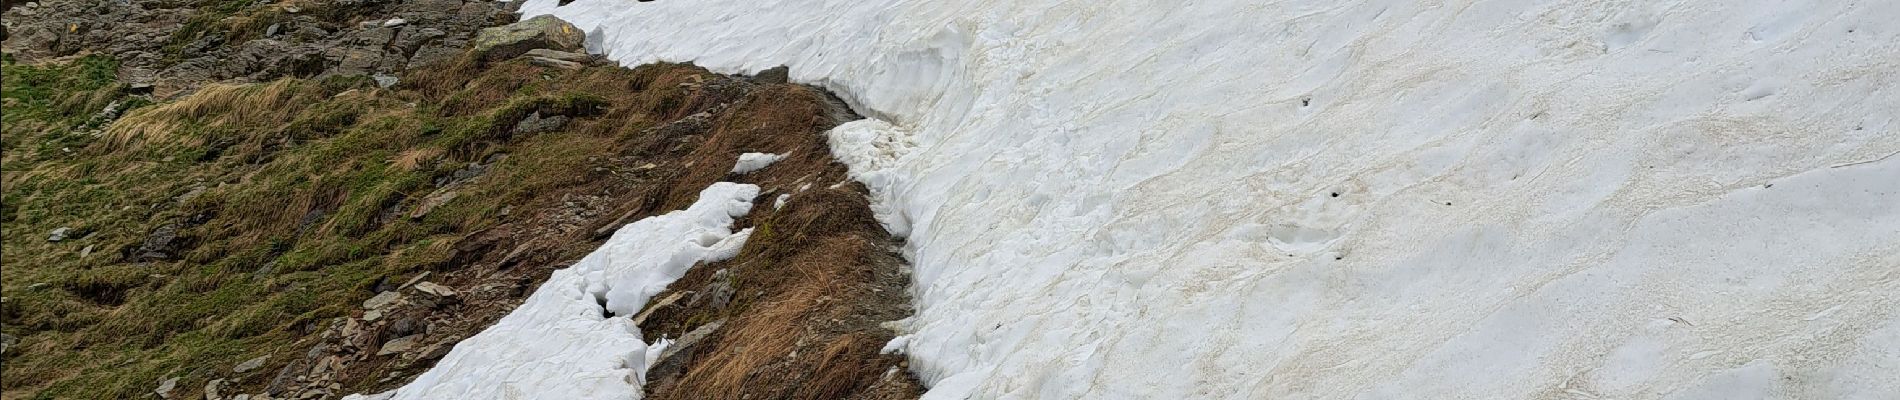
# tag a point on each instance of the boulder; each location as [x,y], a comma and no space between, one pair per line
[250,364]
[513,40]
[381,300]
[534,123]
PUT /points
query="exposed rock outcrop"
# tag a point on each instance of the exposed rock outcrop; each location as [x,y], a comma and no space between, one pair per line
[174,46]
[541,32]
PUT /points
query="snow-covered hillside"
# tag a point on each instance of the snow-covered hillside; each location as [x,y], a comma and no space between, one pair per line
[1369,199]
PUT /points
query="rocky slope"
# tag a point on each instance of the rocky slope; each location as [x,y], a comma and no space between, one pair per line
[174,45]
[303,210]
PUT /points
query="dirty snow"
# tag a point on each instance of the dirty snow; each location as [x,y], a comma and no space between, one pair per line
[749,162]
[561,343]
[1373,199]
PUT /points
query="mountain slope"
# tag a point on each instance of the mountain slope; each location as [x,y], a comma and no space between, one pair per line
[1379,199]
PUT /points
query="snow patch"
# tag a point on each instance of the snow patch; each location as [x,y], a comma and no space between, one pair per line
[558,344]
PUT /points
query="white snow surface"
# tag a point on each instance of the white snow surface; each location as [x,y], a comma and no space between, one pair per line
[1675,199]
[558,344]
[749,162]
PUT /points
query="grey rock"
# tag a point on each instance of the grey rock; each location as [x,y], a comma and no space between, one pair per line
[249,365]
[719,292]
[384,81]
[400,345]
[86,252]
[196,190]
[286,377]
[514,256]
[413,281]
[534,123]
[257,55]
[159,244]
[310,220]
[309,33]
[435,289]
[271,30]
[7,341]
[405,327]
[541,32]
[409,41]
[355,61]
[205,43]
[58,234]
[437,199]
[672,361]
[429,54]
[656,306]
[165,387]
[212,388]
[382,300]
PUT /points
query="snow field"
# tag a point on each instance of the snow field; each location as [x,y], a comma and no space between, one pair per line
[1373,199]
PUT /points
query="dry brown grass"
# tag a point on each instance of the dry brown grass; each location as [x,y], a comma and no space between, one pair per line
[415,159]
[815,280]
[809,329]
[272,104]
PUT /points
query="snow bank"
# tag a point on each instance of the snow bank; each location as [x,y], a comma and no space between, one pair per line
[1371,199]
[572,338]
[749,162]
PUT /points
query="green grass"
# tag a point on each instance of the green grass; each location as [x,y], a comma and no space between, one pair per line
[288,224]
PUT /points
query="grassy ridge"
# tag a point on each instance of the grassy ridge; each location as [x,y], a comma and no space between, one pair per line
[290,203]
